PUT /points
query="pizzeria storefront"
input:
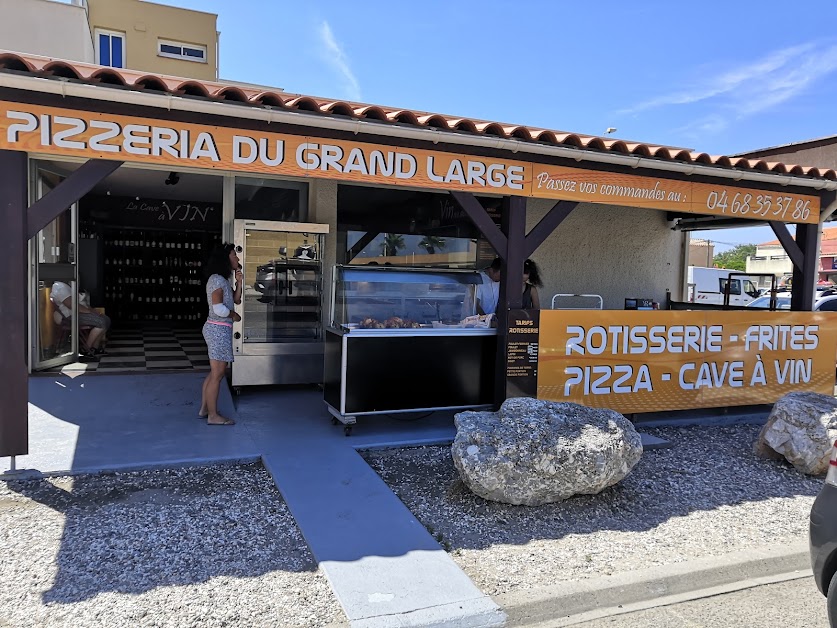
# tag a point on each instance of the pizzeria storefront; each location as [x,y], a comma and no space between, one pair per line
[361,240]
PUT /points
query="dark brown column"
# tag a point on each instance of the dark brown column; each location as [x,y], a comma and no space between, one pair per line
[511,284]
[14,414]
[805,278]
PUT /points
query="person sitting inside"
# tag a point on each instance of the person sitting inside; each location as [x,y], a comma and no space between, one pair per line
[62,296]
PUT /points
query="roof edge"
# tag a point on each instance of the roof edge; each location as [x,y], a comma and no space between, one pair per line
[209,97]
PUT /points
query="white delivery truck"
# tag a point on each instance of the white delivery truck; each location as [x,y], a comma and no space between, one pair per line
[707,285]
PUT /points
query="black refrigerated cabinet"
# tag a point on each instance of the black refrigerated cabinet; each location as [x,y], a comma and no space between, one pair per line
[401,341]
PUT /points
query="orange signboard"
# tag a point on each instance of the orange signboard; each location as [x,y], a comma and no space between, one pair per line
[594,186]
[53,130]
[648,361]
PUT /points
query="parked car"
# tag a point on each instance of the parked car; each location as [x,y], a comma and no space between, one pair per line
[822,538]
[783,301]
[709,285]
[826,304]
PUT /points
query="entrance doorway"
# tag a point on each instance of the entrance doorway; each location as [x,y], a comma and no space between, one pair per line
[54,336]
[138,243]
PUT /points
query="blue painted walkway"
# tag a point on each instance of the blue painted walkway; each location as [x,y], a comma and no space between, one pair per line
[94,423]
[384,567]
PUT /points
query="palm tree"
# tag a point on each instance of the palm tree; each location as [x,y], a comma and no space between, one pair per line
[393,242]
[431,243]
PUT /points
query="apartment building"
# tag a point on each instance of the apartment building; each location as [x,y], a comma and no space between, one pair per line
[129,34]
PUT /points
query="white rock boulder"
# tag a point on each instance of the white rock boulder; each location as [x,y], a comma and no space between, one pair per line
[536,452]
[802,428]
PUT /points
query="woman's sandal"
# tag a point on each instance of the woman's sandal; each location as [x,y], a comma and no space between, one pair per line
[225,422]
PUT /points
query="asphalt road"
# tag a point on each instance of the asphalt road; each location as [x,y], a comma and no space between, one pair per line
[792,604]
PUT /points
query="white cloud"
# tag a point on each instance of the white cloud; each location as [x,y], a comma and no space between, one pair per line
[337,58]
[790,81]
[707,125]
[750,88]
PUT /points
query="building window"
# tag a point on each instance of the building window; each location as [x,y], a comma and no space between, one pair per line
[110,48]
[185,52]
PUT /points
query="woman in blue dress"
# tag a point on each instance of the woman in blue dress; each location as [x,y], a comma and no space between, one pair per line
[221,299]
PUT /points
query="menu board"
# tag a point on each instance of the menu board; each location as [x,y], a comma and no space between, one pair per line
[522,353]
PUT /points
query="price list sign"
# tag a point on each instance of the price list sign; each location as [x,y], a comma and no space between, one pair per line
[522,353]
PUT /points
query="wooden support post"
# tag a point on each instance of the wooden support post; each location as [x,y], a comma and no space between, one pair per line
[513,246]
[805,277]
[511,284]
[14,305]
[20,224]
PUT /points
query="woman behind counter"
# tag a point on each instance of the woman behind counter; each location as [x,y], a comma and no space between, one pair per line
[217,331]
[531,282]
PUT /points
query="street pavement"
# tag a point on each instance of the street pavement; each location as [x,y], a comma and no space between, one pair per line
[791,604]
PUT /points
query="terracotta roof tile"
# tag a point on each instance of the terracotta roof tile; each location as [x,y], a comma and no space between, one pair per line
[829,235]
[268,99]
[828,248]
[258,97]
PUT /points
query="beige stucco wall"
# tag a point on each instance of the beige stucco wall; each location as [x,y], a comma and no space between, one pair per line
[769,259]
[776,267]
[145,22]
[616,252]
[701,254]
[47,28]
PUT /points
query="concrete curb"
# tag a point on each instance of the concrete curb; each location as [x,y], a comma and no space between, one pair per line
[571,602]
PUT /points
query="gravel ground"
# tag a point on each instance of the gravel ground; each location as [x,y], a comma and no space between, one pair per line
[212,546]
[707,495]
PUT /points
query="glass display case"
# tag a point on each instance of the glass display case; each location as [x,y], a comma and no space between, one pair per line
[387,297]
[279,339]
[406,340]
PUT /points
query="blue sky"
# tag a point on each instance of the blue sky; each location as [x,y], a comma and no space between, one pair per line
[720,77]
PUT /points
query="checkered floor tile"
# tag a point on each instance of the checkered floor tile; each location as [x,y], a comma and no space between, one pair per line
[148,349]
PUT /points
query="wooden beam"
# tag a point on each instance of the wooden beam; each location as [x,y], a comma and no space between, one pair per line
[75,186]
[361,244]
[14,306]
[547,225]
[787,242]
[476,212]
